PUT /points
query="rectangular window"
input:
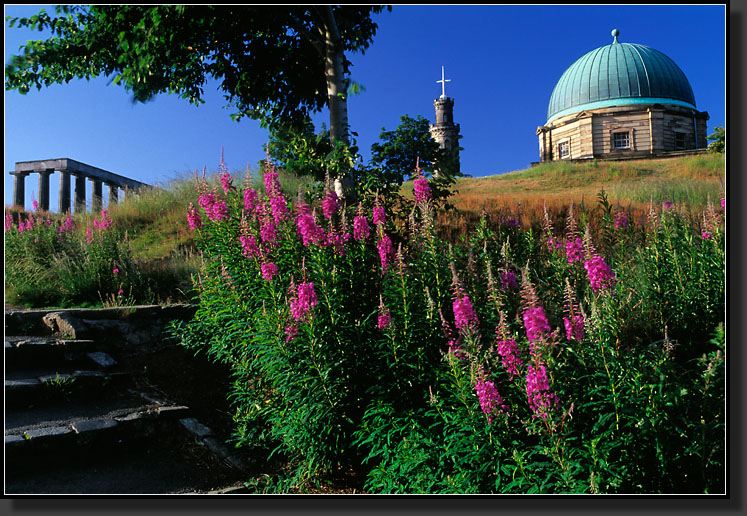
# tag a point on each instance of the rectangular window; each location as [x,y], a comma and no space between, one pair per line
[564,150]
[679,141]
[621,140]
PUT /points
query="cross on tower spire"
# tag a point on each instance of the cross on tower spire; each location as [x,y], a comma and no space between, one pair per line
[443,82]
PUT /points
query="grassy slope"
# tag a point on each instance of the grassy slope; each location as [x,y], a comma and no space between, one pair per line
[157,224]
[688,179]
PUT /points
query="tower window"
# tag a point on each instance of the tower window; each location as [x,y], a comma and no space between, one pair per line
[621,140]
[679,141]
[564,149]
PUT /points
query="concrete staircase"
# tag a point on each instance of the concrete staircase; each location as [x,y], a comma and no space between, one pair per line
[80,419]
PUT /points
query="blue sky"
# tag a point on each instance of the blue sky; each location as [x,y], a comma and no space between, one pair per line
[503,62]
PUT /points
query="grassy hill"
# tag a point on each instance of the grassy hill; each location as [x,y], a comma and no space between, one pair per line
[686,179]
[159,238]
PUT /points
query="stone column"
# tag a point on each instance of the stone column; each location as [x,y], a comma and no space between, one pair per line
[80,192]
[64,194]
[19,188]
[113,194]
[44,189]
[97,196]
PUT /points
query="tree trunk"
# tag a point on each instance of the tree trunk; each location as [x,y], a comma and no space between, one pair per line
[337,100]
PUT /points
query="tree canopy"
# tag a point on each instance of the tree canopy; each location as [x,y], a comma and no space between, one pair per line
[277,64]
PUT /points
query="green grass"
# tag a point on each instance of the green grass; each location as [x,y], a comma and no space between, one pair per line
[162,244]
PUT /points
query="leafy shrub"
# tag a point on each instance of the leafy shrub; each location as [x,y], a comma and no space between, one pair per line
[59,263]
[587,358]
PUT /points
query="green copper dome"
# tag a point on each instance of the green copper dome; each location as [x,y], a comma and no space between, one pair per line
[619,74]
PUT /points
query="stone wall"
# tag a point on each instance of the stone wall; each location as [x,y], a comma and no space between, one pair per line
[652,129]
[126,330]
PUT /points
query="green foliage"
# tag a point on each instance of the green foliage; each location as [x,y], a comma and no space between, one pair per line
[268,60]
[397,154]
[304,153]
[60,260]
[389,374]
[718,140]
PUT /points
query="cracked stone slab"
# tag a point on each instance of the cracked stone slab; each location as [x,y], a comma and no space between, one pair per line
[196,427]
[92,425]
[22,382]
[102,359]
[52,431]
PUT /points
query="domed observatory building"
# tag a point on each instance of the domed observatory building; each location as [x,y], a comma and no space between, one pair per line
[619,101]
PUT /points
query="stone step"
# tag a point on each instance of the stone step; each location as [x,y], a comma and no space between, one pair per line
[87,430]
[47,387]
[172,466]
[39,351]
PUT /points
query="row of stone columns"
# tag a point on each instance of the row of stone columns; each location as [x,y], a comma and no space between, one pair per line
[19,191]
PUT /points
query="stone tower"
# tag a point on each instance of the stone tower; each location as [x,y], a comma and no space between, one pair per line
[445,131]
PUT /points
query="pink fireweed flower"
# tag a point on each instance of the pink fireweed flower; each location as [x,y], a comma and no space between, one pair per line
[305,299]
[291,332]
[723,204]
[193,217]
[535,323]
[89,234]
[115,271]
[309,231]
[540,399]
[330,204]
[621,220]
[120,292]
[106,221]
[219,211]
[267,226]
[206,201]
[510,356]
[379,214]
[279,208]
[456,348]
[599,273]
[553,245]
[706,235]
[385,317]
[464,316]
[454,343]
[225,180]
[490,401]
[574,327]
[361,230]
[249,246]
[34,205]
[334,238]
[667,205]
[574,250]
[214,208]
[269,271]
[508,280]
[386,251]
[272,185]
[421,189]
[8,221]
[250,200]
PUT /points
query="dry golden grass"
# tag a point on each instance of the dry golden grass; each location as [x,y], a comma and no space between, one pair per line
[628,183]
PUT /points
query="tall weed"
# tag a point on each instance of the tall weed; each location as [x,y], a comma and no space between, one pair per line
[579,351]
